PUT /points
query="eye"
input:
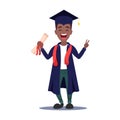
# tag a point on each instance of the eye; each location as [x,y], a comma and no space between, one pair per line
[60,30]
[67,30]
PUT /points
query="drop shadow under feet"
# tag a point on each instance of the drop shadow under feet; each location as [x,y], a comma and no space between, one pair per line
[63,108]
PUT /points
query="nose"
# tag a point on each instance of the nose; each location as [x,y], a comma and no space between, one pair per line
[64,31]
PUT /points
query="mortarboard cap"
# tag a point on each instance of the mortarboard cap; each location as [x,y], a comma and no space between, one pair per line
[63,17]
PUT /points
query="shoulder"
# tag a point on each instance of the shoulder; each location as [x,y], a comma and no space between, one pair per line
[69,44]
[73,47]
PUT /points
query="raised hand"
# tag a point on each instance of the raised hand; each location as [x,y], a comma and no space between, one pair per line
[86,43]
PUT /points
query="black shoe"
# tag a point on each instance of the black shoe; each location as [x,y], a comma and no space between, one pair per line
[58,106]
[69,106]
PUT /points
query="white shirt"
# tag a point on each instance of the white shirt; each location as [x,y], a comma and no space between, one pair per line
[63,53]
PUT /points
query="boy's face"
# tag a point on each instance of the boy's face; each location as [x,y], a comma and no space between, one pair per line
[63,31]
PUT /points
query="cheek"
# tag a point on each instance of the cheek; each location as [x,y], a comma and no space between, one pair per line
[69,32]
[58,33]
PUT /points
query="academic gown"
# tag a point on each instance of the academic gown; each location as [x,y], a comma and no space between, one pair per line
[55,73]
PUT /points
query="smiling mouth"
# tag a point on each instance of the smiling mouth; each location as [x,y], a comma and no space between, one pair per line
[63,36]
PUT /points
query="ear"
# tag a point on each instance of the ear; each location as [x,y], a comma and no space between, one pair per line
[56,32]
[71,31]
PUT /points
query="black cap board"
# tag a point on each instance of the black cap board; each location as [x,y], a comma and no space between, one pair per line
[63,17]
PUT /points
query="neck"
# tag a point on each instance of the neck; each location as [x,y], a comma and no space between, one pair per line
[63,43]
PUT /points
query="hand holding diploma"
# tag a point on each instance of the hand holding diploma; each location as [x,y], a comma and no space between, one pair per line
[37,49]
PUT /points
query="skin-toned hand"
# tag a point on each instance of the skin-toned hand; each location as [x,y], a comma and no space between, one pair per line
[86,43]
[39,46]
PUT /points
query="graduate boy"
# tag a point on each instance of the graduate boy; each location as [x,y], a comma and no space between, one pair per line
[63,73]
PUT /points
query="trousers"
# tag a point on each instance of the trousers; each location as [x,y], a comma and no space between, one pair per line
[64,76]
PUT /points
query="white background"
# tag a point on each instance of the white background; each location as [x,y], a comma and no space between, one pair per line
[24,77]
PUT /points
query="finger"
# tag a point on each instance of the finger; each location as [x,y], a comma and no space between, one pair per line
[87,41]
[39,51]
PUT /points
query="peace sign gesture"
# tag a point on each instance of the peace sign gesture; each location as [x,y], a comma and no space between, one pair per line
[86,43]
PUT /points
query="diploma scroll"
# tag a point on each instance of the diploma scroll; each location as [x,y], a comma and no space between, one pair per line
[36,50]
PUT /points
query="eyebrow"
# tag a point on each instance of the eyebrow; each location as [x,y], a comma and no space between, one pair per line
[59,27]
[67,26]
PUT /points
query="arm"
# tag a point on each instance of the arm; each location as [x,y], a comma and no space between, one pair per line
[79,55]
[41,49]
[47,55]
